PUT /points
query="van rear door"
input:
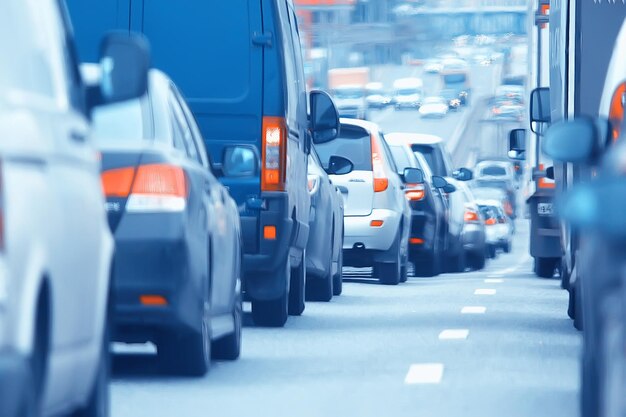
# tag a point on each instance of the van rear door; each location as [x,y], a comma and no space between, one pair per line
[357,187]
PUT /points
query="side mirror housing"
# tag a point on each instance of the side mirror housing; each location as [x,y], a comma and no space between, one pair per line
[449,189]
[540,105]
[324,123]
[572,141]
[413,176]
[240,161]
[124,66]
[517,140]
[463,174]
[550,173]
[338,165]
[517,155]
[439,182]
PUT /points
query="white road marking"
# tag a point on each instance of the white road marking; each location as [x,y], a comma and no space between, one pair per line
[424,373]
[485,291]
[495,276]
[473,310]
[514,268]
[494,281]
[454,334]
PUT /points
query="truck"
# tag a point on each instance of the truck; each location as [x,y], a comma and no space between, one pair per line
[455,81]
[347,86]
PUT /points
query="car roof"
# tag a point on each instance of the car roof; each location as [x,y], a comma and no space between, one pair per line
[369,126]
[489,163]
[413,138]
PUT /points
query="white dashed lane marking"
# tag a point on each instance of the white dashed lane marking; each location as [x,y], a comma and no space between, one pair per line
[494,281]
[473,310]
[454,334]
[424,373]
[485,291]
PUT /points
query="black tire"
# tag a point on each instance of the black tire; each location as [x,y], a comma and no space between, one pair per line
[427,265]
[456,263]
[229,347]
[390,273]
[589,391]
[492,252]
[571,303]
[507,247]
[319,289]
[297,288]
[98,404]
[185,353]
[338,277]
[477,261]
[38,361]
[578,306]
[545,267]
[270,313]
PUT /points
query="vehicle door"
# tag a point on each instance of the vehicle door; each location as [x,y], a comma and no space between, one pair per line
[395,182]
[221,213]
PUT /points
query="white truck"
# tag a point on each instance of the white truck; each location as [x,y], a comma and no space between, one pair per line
[347,86]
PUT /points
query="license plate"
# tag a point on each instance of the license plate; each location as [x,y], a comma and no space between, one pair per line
[545,209]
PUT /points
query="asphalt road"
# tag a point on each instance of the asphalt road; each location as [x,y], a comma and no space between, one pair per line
[491,343]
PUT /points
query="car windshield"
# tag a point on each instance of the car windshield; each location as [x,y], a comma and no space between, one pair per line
[493,170]
[353,143]
[401,158]
[352,93]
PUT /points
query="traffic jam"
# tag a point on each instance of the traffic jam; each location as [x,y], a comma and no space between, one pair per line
[312,207]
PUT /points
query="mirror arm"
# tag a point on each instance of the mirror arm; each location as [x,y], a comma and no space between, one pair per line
[93,98]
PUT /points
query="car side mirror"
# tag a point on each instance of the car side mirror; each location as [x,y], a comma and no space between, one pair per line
[439,182]
[338,165]
[517,155]
[540,107]
[463,174]
[517,140]
[124,66]
[449,189]
[550,173]
[413,176]
[240,161]
[571,141]
[324,123]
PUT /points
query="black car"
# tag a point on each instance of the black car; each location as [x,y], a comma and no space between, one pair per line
[176,270]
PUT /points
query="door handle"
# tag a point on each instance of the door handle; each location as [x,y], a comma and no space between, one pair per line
[78,137]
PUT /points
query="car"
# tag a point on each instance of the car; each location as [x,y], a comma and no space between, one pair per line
[499,228]
[325,246]
[434,107]
[351,101]
[432,66]
[177,235]
[473,234]
[495,169]
[376,96]
[485,187]
[429,209]
[408,93]
[55,245]
[240,65]
[484,192]
[508,111]
[377,218]
[451,96]
[490,217]
[511,92]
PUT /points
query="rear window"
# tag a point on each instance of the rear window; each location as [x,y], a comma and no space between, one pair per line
[494,171]
[433,158]
[122,122]
[488,212]
[352,143]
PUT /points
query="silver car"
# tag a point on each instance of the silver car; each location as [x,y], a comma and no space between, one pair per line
[377,216]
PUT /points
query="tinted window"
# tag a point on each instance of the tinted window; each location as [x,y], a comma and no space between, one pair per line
[352,143]
[291,70]
[494,171]
[183,133]
[487,212]
[433,158]
[123,122]
[401,158]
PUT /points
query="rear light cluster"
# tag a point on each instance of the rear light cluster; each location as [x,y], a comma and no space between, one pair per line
[491,221]
[149,188]
[471,216]
[508,208]
[274,154]
[416,193]
[381,182]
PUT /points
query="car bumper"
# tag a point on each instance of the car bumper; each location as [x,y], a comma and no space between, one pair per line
[411,105]
[474,239]
[155,260]
[358,233]
[13,383]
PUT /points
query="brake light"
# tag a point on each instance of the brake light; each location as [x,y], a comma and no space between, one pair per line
[158,188]
[376,223]
[416,241]
[415,194]
[616,112]
[274,154]
[381,182]
[490,222]
[545,182]
[117,182]
[470,216]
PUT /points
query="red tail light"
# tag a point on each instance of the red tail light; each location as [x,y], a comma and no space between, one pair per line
[415,194]
[490,222]
[381,182]
[273,169]
[616,111]
[471,216]
[149,188]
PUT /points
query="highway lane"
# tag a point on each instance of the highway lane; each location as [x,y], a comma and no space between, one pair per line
[390,351]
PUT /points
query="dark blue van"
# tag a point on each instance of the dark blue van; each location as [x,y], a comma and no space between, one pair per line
[239,65]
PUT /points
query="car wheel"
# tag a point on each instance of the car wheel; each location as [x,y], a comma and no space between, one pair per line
[229,347]
[507,247]
[319,289]
[545,267]
[273,313]
[389,273]
[565,275]
[571,303]
[404,270]
[612,352]
[477,261]
[99,398]
[338,277]
[456,263]
[187,353]
[428,266]
[297,288]
[589,391]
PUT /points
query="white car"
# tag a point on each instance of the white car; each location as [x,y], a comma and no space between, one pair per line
[434,107]
[377,216]
[376,96]
[55,244]
[408,93]
[494,170]
[498,227]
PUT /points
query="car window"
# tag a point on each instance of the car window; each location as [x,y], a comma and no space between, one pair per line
[433,157]
[122,123]
[196,135]
[387,153]
[353,143]
[493,170]
[401,158]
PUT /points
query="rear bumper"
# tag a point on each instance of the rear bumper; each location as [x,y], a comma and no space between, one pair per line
[423,227]
[474,238]
[14,383]
[157,261]
[360,234]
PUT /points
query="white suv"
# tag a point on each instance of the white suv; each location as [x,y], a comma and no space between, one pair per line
[377,216]
[55,243]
